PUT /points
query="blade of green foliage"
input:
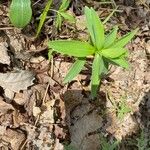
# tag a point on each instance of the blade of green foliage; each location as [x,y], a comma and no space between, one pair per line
[113,52]
[110,39]
[95,27]
[72,48]
[75,70]
[109,16]
[121,62]
[58,21]
[95,78]
[43,17]
[20,12]
[125,39]
[68,16]
[64,5]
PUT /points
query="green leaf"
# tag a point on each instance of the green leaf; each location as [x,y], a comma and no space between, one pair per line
[110,39]
[120,62]
[109,16]
[95,78]
[113,52]
[68,16]
[95,27]
[75,70]
[20,13]
[43,17]
[64,5]
[72,48]
[125,39]
[58,21]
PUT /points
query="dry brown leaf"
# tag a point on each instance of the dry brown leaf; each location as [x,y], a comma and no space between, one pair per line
[4,58]
[14,82]
[4,107]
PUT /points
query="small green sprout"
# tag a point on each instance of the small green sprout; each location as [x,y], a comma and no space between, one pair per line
[105,145]
[123,109]
[105,50]
[63,14]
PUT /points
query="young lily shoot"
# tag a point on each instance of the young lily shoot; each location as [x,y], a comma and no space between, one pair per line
[104,48]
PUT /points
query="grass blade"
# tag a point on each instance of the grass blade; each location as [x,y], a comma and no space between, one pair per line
[64,5]
[74,70]
[113,52]
[110,39]
[43,17]
[109,16]
[95,27]
[68,17]
[72,48]
[125,39]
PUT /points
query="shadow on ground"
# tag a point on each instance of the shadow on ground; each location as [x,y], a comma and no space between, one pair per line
[86,120]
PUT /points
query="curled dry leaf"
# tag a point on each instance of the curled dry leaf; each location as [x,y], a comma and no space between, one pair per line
[4,58]
[14,82]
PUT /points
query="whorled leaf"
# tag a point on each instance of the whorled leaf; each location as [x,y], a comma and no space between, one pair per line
[111,37]
[95,27]
[113,52]
[72,48]
[125,39]
[75,69]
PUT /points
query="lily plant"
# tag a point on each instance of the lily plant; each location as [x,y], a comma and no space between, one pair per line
[105,49]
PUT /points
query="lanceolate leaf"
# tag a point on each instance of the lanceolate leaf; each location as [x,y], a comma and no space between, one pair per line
[121,62]
[75,69]
[110,39]
[72,48]
[113,52]
[125,39]
[95,79]
[95,27]
[20,12]
[43,16]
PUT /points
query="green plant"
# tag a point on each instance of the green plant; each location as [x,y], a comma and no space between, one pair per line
[105,145]
[123,109]
[20,12]
[43,17]
[63,14]
[105,49]
[142,142]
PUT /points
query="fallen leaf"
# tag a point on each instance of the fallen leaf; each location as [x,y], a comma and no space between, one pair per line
[4,58]
[14,82]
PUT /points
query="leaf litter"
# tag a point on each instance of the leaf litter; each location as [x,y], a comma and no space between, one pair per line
[43,113]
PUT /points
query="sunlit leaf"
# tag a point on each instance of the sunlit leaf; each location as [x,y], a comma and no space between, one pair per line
[68,16]
[125,39]
[113,52]
[20,12]
[95,27]
[110,38]
[72,48]
[95,78]
[75,69]
[43,16]
[121,62]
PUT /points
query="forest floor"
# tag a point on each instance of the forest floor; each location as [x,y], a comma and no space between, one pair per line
[39,112]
